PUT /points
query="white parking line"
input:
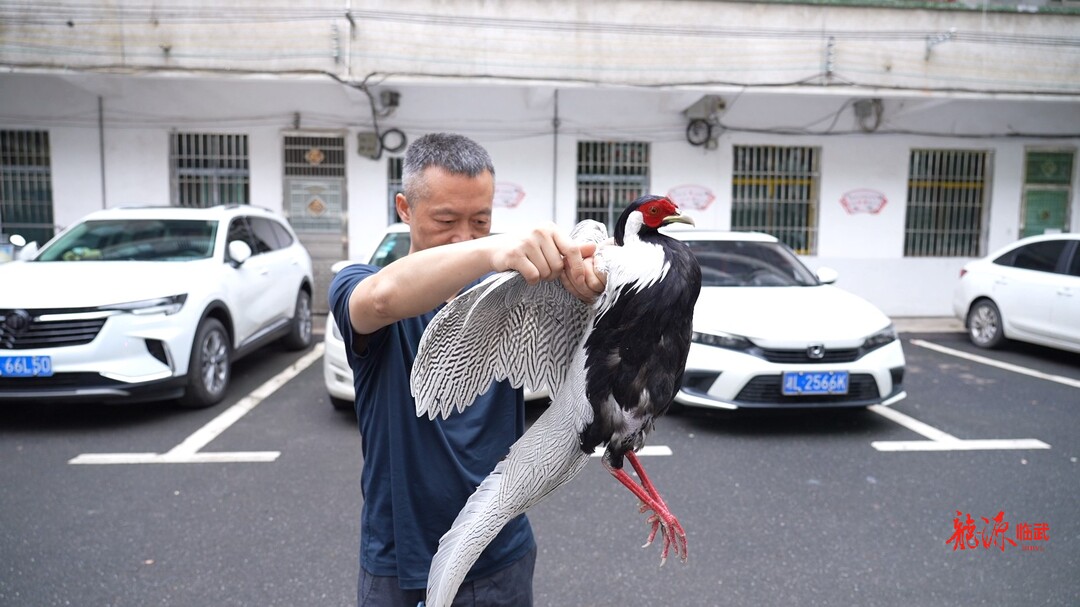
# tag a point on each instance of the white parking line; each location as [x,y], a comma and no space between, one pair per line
[646,451]
[1068,381]
[943,441]
[187,452]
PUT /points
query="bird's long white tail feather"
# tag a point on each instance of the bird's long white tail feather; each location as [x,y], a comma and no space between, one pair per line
[540,461]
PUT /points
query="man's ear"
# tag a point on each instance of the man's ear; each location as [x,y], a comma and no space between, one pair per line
[402,206]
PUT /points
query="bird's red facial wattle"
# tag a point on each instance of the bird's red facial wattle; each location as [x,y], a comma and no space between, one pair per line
[654,212]
[661,212]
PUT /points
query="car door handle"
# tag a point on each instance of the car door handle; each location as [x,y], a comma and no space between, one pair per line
[265,271]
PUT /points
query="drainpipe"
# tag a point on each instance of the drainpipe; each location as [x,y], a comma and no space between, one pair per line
[101,144]
[555,161]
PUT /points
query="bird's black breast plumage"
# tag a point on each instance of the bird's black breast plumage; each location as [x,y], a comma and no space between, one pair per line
[636,353]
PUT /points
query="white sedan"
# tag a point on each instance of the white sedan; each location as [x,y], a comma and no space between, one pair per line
[768,332]
[1028,291]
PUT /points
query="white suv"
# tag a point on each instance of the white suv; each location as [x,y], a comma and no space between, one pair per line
[151,303]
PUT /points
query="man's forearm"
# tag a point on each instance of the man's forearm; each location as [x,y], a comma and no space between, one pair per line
[416,284]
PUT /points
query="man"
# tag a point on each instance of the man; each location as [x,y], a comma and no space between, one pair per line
[418,473]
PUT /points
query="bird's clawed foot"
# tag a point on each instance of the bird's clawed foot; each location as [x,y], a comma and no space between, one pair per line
[661,520]
[665,523]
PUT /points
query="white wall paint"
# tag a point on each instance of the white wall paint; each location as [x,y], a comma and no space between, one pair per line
[75,179]
[136,167]
[515,124]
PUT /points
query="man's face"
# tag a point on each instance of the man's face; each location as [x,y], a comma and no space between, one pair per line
[456,208]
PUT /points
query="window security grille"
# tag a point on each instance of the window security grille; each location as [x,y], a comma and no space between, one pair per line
[26,205]
[946,198]
[314,156]
[393,186]
[1048,179]
[775,190]
[209,169]
[610,175]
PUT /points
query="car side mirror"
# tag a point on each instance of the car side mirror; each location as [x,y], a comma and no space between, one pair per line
[239,252]
[28,251]
[827,276]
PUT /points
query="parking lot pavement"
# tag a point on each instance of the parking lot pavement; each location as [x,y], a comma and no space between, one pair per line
[928,324]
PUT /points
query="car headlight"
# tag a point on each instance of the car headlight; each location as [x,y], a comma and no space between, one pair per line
[882,337]
[722,340]
[158,305]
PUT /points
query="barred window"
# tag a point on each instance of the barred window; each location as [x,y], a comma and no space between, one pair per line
[26,205]
[610,175]
[1048,177]
[946,198]
[774,189]
[393,186]
[313,156]
[209,169]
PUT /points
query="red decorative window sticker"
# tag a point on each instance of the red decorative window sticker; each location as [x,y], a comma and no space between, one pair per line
[863,201]
[508,195]
[691,197]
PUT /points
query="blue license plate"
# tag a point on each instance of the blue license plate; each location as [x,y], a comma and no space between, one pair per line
[798,383]
[25,366]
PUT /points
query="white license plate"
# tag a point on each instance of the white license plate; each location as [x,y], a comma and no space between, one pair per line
[25,366]
[797,383]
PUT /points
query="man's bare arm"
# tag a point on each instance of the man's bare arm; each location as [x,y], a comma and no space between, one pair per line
[421,281]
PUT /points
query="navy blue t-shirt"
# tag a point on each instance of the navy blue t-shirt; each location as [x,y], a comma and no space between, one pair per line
[418,473]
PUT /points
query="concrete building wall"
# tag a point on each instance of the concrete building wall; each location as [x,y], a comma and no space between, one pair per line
[530,79]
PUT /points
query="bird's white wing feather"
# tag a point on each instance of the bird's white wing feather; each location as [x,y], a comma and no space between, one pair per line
[503,328]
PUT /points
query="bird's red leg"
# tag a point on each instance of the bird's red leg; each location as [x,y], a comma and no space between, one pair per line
[662,519]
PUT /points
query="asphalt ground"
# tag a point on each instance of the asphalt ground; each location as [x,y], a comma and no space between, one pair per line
[780,507]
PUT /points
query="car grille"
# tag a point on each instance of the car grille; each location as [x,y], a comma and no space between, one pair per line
[801,356]
[767,389]
[49,333]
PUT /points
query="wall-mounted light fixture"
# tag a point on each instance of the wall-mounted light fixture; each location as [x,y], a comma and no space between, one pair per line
[868,113]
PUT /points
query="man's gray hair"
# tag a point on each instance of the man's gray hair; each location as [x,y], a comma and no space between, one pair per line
[455,154]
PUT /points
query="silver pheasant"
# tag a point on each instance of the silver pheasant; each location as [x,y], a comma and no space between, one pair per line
[542,336]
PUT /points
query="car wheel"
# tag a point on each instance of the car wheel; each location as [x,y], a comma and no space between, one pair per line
[984,325]
[210,368]
[299,336]
[340,404]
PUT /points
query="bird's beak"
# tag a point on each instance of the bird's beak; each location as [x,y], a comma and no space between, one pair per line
[670,219]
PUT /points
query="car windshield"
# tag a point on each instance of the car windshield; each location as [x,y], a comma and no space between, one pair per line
[740,263]
[393,247]
[134,240]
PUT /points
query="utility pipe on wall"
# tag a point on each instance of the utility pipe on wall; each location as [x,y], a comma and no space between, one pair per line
[101,145]
[555,161]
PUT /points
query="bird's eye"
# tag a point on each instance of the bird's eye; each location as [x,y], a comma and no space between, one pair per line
[653,210]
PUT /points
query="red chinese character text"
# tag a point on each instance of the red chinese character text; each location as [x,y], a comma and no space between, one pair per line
[963,536]
[996,537]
